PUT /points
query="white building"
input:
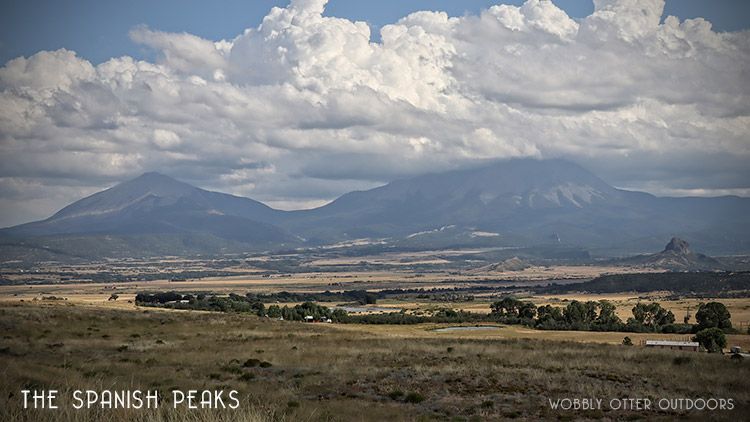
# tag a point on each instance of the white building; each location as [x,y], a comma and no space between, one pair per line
[673,345]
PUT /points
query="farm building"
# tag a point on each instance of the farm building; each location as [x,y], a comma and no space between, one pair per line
[690,346]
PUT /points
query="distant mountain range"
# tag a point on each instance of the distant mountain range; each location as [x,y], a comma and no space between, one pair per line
[512,203]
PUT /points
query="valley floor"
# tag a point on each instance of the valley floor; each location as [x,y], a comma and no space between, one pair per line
[295,371]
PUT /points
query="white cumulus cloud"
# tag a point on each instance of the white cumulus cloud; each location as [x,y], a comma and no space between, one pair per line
[305,107]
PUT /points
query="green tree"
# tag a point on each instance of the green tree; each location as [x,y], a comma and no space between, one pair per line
[607,315]
[579,315]
[549,317]
[274,311]
[527,310]
[712,339]
[713,315]
[651,315]
[508,306]
[627,341]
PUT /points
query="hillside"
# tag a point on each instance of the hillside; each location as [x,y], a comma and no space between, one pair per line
[150,215]
[718,284]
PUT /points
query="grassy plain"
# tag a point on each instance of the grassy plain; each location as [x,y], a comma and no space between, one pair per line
[347,372]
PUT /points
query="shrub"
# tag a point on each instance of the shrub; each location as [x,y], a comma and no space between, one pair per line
[414,397]
[627,341]
[247,376]
[396,394]
[250,363]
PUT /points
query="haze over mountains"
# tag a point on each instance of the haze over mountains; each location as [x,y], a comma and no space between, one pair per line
[520,202]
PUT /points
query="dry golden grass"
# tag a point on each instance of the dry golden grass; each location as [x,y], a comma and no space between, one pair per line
[332,372]
[559,272]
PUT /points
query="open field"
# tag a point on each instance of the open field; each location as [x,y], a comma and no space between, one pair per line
[68,335]
[325,372]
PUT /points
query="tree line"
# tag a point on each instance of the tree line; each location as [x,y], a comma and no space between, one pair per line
[713,319]
[240,304]
[601,316]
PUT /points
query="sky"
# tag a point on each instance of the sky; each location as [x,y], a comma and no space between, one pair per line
[294,104]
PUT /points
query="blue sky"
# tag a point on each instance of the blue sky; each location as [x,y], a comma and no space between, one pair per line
[98,29]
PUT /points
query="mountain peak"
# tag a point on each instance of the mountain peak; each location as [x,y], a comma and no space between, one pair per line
[121,196]
[678,246]
[153,175]
[155,183]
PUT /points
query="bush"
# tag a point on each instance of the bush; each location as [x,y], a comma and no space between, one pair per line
[396,394]
[414,398]
[250,363]
[712,339]
[627,341]
[677,329]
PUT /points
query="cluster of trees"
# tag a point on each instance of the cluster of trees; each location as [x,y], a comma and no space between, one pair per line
[299,312]
[362,297]
[601,316]
[204,302]
[236,303]
[583,316]
[712,319]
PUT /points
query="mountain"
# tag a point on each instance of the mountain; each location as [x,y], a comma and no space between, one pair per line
[155,214]
[676,256]
[550,205]
[526,202]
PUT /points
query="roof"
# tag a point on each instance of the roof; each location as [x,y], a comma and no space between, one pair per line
[671,343]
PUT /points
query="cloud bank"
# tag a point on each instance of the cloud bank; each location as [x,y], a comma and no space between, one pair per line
[304,107]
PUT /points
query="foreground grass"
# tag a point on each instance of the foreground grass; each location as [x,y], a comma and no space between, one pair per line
[320,372]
